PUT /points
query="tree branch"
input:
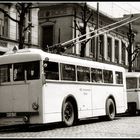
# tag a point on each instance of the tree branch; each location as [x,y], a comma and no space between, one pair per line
[136,50]
[91,14]
[6,14]
[136,54]
[77,26]
[17,8]
[29,26]
[73,27]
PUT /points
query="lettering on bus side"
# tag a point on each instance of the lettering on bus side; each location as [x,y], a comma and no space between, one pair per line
[68,72]
[83,74]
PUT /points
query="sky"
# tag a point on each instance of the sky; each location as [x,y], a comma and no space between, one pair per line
[117,9]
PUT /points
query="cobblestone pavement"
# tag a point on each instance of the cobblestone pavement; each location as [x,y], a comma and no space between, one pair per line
[121,127]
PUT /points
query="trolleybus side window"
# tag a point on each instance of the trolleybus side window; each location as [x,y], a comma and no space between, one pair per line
[108,76]
[5,73]
[68,72]
[96,75]
[51,70]
[83,74]
[131,82]
[119,77]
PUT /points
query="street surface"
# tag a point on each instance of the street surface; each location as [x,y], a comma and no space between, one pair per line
[122,127]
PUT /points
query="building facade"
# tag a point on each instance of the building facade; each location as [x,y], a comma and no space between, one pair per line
[136,27]
[53,23]
[9,28]
[56,25]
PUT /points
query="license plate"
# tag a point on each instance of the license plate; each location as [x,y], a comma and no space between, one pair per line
[11,114]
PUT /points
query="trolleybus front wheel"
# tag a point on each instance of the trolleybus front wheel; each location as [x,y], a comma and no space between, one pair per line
[68,114]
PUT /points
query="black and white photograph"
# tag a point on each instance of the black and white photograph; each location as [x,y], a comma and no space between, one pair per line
[69,69]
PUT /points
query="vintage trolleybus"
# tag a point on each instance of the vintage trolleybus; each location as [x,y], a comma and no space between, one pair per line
[38,87]
[133,92]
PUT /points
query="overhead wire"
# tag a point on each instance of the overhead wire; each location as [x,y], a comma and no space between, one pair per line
[74,40]
[132,6]
[101,29]
[107,30]
[121,8]
[67,42]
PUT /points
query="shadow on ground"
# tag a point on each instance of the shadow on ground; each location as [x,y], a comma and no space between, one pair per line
[52,126]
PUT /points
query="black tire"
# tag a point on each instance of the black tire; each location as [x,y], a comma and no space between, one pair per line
[138,111]
[68,114]
[132,108]
[110,109]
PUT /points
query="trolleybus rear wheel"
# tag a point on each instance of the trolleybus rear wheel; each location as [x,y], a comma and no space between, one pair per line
[110,109]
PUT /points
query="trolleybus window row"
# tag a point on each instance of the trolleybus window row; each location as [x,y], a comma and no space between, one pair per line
[71,72]
[29,70]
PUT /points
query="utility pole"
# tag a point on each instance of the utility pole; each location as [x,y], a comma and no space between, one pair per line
[59,35]
[130,35]
[97,38]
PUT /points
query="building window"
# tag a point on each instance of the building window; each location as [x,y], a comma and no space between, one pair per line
[47,37]
[81,32]
[101,46]
[116,51]
[123,52]
[109,48]
[27,24]
[3,25]
[5,33]
[92,50]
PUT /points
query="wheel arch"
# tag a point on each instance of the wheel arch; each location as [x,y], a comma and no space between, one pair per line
[72,99]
